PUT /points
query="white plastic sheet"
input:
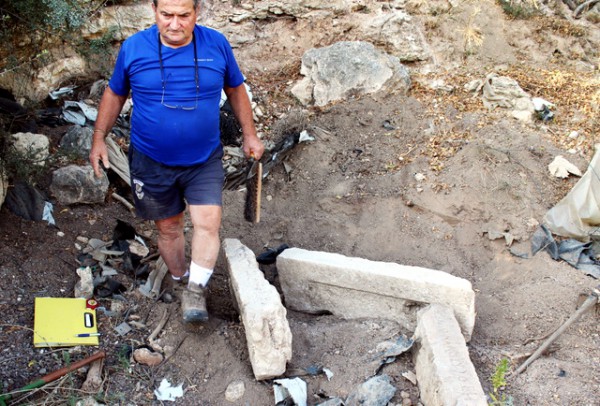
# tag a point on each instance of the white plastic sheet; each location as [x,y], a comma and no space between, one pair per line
[168,392]
[577,215]
[294,388]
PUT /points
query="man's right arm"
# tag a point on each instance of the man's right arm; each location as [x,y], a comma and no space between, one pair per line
[110,108]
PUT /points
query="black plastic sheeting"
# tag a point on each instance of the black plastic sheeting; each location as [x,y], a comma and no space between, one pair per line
[578,254]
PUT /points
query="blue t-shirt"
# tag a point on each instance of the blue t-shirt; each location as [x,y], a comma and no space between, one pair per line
[175,136]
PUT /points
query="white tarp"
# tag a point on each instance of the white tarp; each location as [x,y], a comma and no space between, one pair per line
[577,215]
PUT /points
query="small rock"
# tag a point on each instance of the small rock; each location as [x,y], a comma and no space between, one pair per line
[147,357]
[85,286]
[235,390]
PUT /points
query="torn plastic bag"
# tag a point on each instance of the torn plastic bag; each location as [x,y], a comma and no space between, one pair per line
[542,240]
[577,215]
[78,113]
[25,201]
[578,254]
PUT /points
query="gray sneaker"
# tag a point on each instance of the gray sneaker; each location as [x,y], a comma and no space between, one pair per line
[193,305]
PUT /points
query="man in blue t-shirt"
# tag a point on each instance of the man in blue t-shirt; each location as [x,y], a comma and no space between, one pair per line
[175,71]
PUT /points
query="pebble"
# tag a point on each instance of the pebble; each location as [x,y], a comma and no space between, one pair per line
[147,357]
[235,390]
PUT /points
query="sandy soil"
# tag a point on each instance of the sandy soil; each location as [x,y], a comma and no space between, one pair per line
[354,191]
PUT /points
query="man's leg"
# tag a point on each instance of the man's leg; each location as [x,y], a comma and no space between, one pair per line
[206,220]
[205,240]
[171,244]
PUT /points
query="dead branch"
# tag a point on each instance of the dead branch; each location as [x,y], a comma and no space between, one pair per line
[174,351]
[591,301]
[124,201]
[159,327]
[584,7]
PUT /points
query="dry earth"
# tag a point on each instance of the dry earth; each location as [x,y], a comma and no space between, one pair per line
[354,191]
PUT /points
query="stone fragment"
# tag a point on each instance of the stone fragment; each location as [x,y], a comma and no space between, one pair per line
[78,184]
[34,148]
[445,373]
[235,390]
[267,330]
[85,286]
[376,391]
[146,357]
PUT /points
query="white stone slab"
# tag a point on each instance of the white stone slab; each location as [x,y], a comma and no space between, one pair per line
[445,374]
[265,322]
[314,281]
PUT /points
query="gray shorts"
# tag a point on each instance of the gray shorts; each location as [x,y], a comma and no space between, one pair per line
[161,191]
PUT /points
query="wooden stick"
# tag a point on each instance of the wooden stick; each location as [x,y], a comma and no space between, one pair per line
[53,376]
[124,201]
[591,300]
[160,326]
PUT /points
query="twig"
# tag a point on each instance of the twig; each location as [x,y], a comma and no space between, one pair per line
[174,351]
[124,201]
[160,326]
[584,6]
[591,300]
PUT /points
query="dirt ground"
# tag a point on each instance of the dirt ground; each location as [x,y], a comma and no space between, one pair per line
[427,189]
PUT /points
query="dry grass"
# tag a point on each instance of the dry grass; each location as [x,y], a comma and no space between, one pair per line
[471,33]
[575,94]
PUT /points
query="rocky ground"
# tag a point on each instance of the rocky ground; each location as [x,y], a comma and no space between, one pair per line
[425,179]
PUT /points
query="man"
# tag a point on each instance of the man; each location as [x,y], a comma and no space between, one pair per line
[175,71]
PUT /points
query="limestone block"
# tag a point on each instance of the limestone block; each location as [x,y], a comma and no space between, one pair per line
[445,373]
[314,281]
[345,68]
[264,317]
[34,148]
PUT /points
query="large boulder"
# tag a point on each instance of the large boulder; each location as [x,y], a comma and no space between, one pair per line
[347,68]
[33,148]
[398,32]
[77,184]
[77,140]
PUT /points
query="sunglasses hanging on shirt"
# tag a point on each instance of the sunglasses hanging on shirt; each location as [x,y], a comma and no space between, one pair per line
[164,82]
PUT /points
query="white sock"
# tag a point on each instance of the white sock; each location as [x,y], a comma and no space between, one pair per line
[199,275]
[178,278]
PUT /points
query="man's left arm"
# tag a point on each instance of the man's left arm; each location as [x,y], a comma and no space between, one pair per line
[240,103]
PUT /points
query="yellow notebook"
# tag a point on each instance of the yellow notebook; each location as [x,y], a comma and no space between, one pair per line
[60,322]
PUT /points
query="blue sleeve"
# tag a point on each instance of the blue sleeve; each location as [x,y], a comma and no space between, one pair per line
[233,75]
[119,82]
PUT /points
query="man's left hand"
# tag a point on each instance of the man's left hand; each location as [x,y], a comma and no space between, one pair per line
[253,147]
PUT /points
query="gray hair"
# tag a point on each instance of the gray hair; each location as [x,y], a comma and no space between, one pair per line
[195,3]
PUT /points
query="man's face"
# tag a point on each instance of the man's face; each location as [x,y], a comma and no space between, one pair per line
[175,20]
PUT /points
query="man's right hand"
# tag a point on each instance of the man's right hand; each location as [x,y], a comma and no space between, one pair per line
[99,153]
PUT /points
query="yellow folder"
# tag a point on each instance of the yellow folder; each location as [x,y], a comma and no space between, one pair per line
[59,322]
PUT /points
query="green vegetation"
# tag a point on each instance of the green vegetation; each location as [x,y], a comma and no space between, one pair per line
[29,27]
[498,379]
[520,9]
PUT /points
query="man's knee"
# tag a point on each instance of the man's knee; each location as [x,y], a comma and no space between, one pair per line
[206,219]
[170,228]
